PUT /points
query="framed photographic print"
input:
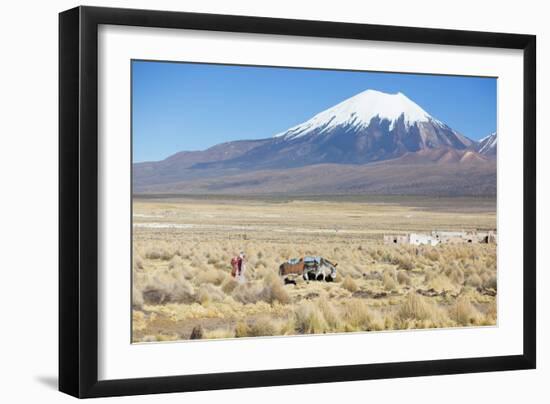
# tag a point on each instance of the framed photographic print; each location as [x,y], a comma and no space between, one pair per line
[251,201]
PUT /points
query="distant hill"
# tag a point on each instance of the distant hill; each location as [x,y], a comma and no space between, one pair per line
[371,143]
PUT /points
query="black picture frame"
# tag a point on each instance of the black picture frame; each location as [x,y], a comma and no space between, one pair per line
[78,201]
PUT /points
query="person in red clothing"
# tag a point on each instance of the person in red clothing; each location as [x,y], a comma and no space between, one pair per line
[238,266]
[235,266]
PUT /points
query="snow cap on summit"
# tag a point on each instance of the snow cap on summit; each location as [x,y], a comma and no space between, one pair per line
[359,110]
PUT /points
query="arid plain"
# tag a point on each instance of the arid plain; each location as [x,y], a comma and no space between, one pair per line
[182,248]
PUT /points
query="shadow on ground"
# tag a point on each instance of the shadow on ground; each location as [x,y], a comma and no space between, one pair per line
[48,381]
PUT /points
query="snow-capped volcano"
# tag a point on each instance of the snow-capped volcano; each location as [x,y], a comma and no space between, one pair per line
[370,126]
[358,111]
[371,142]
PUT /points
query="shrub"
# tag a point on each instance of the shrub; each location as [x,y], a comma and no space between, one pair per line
[474,281]
[162,286]
[209,293]
[138,262]
[219,333]
[441,283]
[455,275]
[197,333]
[229,285]
[405,263]
[464,313]
[389,280]
[432,254]
[373,275]
[241,329]
[262,327]
[274,290]
[309,319]
[416,307]
[403,278]
[159,252]
[139,320]
[357,316]
[349,284]
[212,276]
[491,282]
[287,326]
[330,313]
[246,293]
[175,263]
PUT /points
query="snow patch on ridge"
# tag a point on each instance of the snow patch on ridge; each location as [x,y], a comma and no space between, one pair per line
[488,143]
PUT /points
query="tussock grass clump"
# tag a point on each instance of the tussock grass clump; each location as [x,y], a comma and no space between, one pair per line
[138,262]
[416,307]
[229,285]
[262,327]
[441,283]
[274,290]
[162,286]
[247,293]
[349,284]
[389,279]
[175,263]
[490,282]
[271,290]
[474,281]
[464,312]
[179,265]
[139,321]
[160,251]
[372,276]
[212,276]
[309,319]
[403,278]
[167,337]
[357,316]
[330,313]
[241,329]
[432,254]
[219,333]
[209,293]
[455,275]
[405,262]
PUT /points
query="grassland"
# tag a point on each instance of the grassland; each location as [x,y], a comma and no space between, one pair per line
[182,247]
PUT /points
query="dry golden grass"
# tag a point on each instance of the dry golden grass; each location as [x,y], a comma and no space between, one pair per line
[403,278]
[181,275]
[389,279]
[349,284]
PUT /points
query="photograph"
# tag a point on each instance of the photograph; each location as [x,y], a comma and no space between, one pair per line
[272,201]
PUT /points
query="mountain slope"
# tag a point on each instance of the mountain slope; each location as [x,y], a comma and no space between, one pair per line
[177,166]
[370,143]
[488,145]
[391,177]
[371,126]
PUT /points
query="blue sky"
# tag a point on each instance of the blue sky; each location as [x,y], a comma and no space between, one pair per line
[185,106]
